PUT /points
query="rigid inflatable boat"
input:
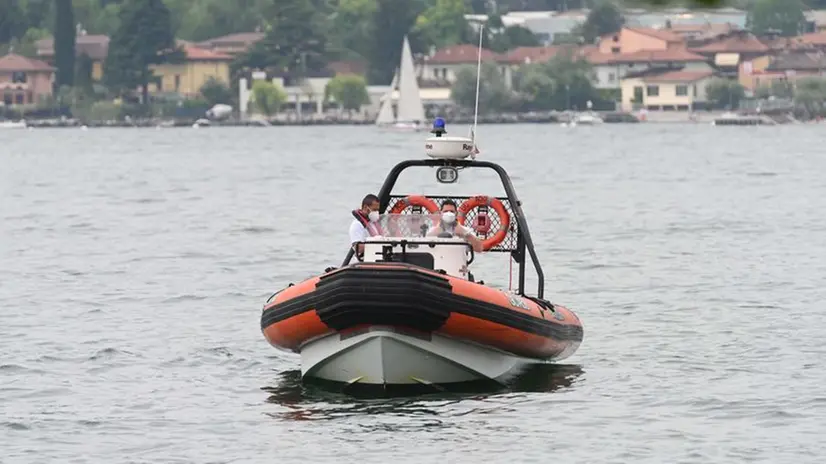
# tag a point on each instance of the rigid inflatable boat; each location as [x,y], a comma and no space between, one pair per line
[410,311]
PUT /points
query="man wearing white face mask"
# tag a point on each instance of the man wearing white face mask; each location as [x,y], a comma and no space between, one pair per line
[365,222]
[449,227]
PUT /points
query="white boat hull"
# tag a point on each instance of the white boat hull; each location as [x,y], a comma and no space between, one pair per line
[13,125]
[404,127]
[383,356]
[588,121]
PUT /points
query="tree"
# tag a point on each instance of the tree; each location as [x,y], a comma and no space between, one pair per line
[444,24]
[561,83]
[64,44]
[392,20]
[353,28]
[215,92]
[538,88]
[778,88]
[604,18]
[83,72]
[205,19]
[12,21]
[725,93]
[144,38]
[785,16]
[295,40]
[512,37]
[685,3]
[267,97]
[493,93]
[349,90]
[98,16]
[810,92]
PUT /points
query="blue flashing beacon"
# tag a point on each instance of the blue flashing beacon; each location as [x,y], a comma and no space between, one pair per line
[438,127]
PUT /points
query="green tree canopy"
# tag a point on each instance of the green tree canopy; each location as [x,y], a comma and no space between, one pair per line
[353,28]
[502,39]
[810,93]
[12,21]
[64,43]
[267,97]
[725,93]
[392,20]
[206,19]
[295,40]
[604,18]
[144,38]
[561,83]
[215,92]
[785,16]
[493,92]
[349,90]
[444,24]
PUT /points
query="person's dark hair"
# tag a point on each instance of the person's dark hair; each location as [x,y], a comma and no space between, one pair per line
[369,200]
[448,202]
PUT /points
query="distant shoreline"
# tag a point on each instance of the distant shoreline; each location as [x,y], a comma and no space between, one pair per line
[609,117]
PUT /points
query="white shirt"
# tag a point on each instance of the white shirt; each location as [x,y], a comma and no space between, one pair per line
[358,233]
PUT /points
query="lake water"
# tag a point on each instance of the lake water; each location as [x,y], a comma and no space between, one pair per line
[134,264]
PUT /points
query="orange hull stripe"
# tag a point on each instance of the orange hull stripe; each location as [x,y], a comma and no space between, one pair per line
[500,336]
[292,332]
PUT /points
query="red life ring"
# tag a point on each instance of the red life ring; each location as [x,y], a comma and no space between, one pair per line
[415,200]
[488,202]
[404,203]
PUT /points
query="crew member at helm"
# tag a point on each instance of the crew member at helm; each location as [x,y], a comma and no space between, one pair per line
[448,227]
[365,222]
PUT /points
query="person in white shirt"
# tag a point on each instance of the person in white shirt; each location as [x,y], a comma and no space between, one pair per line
[364,222]
[449,227]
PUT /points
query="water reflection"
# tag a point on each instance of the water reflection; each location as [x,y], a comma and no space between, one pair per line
[313,401]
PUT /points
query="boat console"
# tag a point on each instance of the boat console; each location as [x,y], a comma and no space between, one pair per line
[407,238]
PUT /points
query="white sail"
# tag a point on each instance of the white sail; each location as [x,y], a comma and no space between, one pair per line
[410,106]
[386,111]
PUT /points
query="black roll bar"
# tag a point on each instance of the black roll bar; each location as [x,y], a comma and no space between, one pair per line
[524,240]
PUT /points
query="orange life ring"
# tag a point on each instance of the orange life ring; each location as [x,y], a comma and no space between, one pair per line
[415,200]
[496,204]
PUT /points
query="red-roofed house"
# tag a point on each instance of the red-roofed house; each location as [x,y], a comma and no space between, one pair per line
[95,46]
[634,39]
[729,52]
[528,55]
[24,80]
[665,90]
[446,62]
[358,68]
[610,69]
[789,66]
[188,77]
[232,44]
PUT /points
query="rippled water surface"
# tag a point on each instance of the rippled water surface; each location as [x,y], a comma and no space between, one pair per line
[134,264]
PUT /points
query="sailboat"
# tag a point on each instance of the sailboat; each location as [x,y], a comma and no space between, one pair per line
[409,109]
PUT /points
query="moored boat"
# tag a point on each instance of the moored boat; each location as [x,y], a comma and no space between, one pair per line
[410,311]
[13,124]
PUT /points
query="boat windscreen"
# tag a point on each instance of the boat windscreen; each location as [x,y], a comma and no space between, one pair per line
[407,225]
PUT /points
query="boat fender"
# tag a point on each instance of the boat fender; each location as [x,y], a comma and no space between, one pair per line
[488,202]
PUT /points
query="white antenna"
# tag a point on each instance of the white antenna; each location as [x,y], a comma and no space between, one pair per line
[478,79]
